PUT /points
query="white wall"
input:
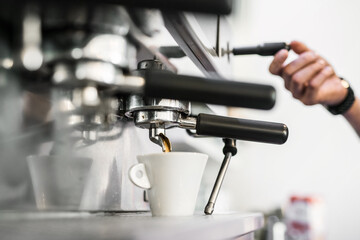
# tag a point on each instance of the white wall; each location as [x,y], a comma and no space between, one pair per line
[322,154]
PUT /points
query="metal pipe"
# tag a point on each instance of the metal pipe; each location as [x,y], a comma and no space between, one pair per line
[219,180]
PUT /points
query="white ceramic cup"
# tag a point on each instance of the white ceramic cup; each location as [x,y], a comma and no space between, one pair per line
[172,179]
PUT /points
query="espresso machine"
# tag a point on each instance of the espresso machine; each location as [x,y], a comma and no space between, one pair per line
[85,87]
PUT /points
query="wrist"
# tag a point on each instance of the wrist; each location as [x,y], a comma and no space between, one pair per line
[337,93]
[352,116]
[354,109]
[344,102]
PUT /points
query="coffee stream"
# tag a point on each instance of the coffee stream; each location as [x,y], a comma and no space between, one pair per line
[166,143]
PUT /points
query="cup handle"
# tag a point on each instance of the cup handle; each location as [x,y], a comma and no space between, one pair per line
[137,175]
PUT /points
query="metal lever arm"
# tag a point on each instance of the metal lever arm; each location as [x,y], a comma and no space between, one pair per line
[241,129]
[162,84]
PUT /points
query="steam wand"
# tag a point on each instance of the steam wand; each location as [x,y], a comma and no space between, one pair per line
[229,150]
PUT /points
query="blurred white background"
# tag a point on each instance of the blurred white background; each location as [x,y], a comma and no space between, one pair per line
[322,155]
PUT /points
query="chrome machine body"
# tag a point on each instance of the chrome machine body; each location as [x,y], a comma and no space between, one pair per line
[81,81]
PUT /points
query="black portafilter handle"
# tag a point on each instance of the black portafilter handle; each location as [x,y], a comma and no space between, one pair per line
[241,129]
[163,84]
[265,49]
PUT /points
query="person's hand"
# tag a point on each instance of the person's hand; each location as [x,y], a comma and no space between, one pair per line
[310,78]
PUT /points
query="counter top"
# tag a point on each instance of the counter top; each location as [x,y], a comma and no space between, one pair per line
[84,225]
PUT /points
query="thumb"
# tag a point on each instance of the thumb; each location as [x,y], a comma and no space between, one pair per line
[299,47]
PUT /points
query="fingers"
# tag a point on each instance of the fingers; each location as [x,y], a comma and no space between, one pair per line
[314,93]
[328,92]
[276,65]
[309,78]
[310,97]
[302,61]
[321,77]
[299,47]
[301,79]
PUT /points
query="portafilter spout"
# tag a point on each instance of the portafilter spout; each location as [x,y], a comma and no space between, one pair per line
[157,136]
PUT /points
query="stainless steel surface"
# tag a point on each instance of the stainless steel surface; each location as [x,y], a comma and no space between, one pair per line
[127,226]
[219,180]
[154,136]
[83,109]
[151,64]
[188,123]
[100,60]
[147,118]
[198,35]
[31,54]
[137,103]
[90,71]
[77,31]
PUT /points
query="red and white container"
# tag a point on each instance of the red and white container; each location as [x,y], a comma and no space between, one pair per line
[304,218]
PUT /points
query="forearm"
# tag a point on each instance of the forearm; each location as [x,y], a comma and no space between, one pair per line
[353,116]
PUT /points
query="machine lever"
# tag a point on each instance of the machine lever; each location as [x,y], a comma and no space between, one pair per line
[265,49]
[163,84]
[204,6]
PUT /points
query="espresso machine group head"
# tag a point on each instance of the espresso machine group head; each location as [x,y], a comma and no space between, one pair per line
[157,114]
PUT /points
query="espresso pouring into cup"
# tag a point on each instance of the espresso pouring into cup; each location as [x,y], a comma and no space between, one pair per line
[166,143]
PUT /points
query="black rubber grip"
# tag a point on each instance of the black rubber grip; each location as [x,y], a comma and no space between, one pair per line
[221,7]
[241,129]
[266,49]
[230,146]
[205,6]
[160,84]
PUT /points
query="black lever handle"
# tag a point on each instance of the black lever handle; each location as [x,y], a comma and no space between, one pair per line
[265,49]
[161,84]
[204,6]
[241,129]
